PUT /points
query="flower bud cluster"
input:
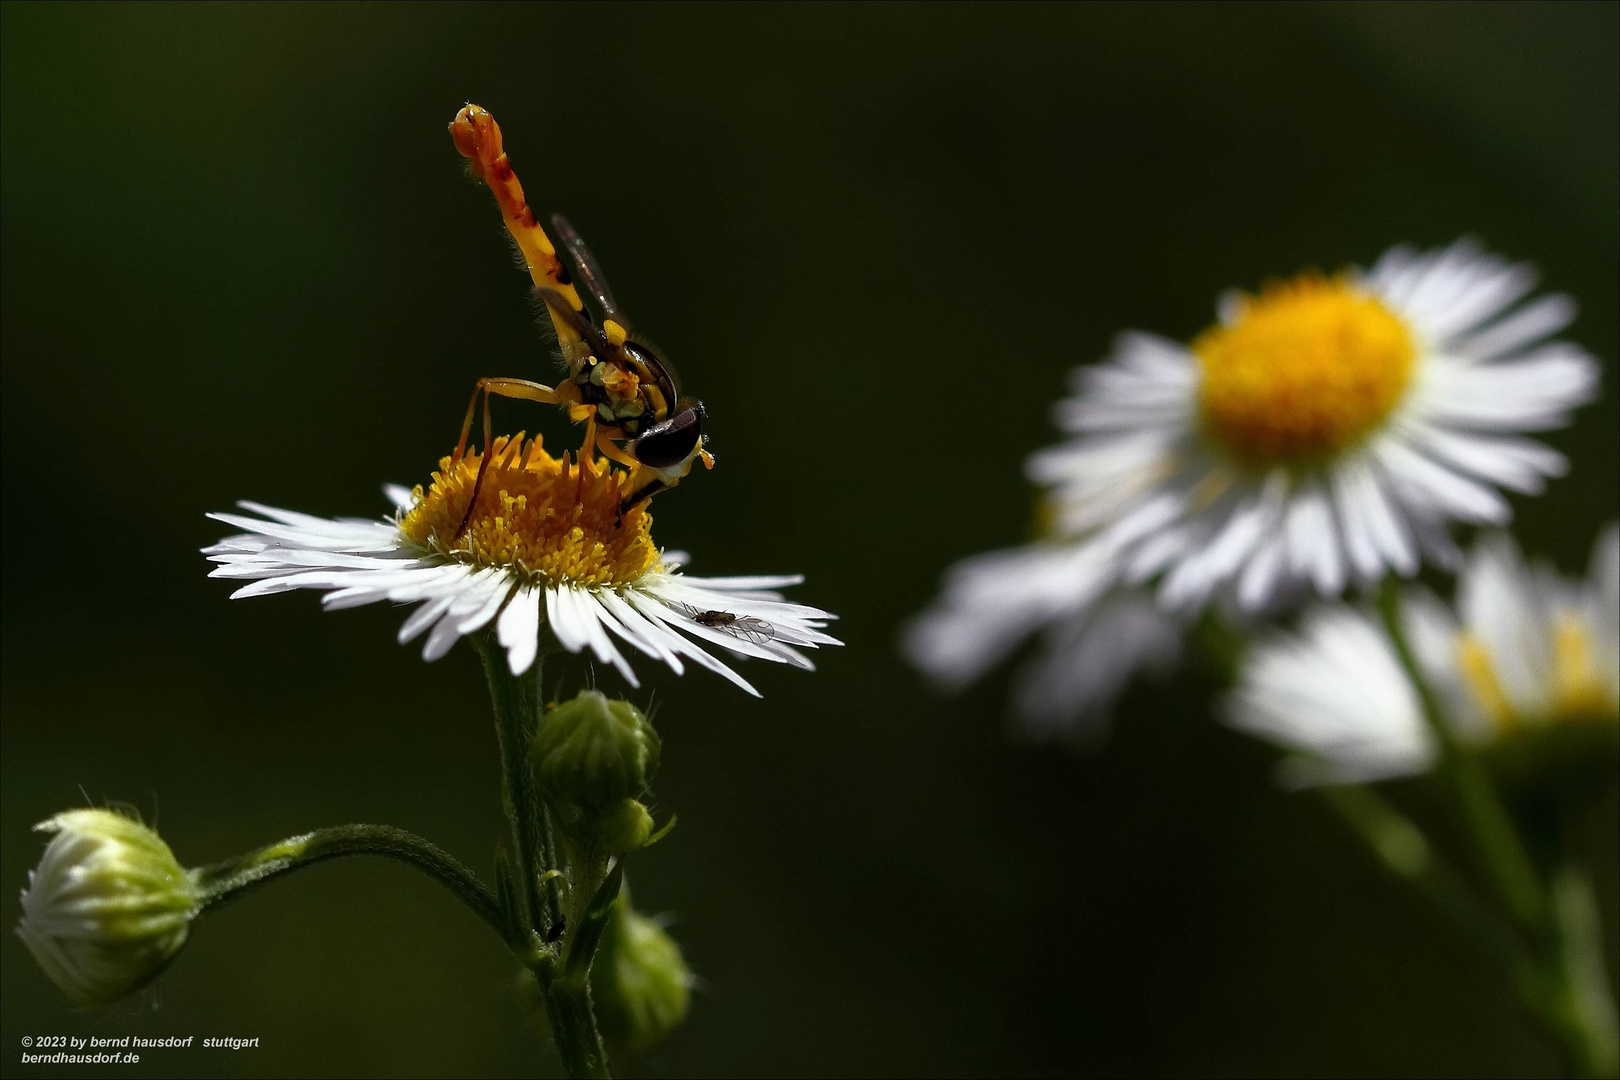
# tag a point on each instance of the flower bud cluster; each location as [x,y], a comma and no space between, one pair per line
[594,758]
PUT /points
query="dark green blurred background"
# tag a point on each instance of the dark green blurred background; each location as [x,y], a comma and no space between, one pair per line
[241,260]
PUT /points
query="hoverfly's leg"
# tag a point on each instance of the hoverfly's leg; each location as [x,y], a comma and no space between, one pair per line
[478,138]
[512,388]
[521,389]
[604,443]
[587,449]
[466,424]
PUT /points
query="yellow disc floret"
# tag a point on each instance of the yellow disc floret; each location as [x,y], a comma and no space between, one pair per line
[540,517]
[1304,370]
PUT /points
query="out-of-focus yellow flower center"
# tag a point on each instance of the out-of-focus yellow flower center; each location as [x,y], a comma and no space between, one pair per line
[538,516]
[1575,690]
[1305,370]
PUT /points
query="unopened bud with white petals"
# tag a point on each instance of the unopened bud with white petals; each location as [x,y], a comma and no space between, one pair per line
[108,907]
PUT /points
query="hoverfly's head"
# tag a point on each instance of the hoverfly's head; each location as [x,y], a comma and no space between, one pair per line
[669,446]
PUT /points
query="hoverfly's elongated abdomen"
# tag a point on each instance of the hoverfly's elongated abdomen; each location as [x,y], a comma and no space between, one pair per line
[478,138]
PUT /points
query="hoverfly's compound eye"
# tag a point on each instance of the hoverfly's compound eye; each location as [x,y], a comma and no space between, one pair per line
[670,441]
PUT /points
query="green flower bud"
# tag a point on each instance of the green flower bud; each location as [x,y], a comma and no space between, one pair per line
[640,983]
[108,907]
[593,756]
[626,827]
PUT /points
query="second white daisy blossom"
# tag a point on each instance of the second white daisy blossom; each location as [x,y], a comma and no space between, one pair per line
[1526,649]
[1336,693]
[546,546]
[1325,431]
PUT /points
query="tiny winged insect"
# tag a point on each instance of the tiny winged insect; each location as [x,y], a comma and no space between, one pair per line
[742,627]
[618,386]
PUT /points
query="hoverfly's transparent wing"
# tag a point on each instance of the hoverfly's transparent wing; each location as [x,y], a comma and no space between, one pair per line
[576,324]
[590,280]
[590,274]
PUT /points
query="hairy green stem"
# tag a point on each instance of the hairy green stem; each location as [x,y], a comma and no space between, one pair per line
[516,701]
[231,878]
[519,707]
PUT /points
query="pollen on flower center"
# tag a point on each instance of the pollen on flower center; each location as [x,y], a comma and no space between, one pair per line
[1305,370]
[540,517]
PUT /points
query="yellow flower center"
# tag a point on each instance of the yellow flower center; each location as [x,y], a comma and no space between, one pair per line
[1305,370]
[540,517]
[1576,691]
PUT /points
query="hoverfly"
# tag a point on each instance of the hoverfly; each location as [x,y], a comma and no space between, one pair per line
[742,627]
[618,386]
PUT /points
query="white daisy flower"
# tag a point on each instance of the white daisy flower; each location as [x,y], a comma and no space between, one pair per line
[1336,693]
[1324,431]
[1093,643]
[1530,650]
[546,545]
[1526,647]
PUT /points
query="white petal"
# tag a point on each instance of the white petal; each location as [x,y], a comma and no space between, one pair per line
[1514,463]
[570,633]
[1313,545]
[425,616]
[1528,325]
[446,632]
[497,588]
[586,613]
[1420,480]
[518,629]
[638,631]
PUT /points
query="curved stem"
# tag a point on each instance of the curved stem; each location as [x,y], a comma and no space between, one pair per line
[1511,872]
[231,878]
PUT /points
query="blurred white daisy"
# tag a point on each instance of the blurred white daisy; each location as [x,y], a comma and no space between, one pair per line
[1526,647]
[1530,650]
[546,545]
[1094,640]
[1323,431]
[1336,693]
